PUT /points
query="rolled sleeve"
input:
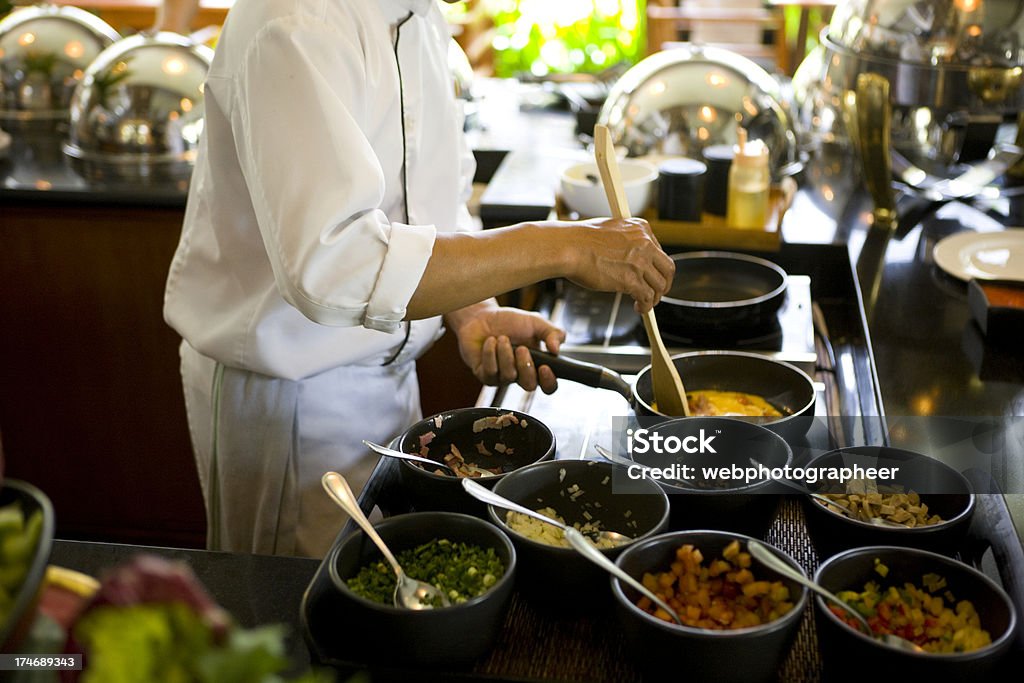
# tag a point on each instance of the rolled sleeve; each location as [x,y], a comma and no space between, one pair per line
[409,249]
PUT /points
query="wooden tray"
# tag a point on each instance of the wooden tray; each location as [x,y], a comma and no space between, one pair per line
[712,231]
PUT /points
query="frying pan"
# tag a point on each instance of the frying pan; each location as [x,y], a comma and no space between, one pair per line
[785,386]
[715,291]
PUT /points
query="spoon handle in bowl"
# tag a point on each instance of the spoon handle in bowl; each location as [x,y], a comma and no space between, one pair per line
[587,550]
[770,560]
[485,495]
[339,490]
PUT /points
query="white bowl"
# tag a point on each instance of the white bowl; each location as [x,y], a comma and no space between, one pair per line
[583,192]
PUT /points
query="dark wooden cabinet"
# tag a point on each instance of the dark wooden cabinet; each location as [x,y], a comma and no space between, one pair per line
[91,407]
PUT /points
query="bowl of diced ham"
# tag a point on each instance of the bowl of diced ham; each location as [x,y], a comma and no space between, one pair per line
[481,443]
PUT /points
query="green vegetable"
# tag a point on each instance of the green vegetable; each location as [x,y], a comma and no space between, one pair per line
[461,570]
[170,642]
[19,539]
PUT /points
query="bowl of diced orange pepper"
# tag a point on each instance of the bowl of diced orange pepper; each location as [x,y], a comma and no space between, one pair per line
[739,617]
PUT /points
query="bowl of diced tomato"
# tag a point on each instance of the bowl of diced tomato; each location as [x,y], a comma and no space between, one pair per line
[962,621]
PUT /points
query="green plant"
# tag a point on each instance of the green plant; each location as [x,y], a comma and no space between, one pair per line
[542,37]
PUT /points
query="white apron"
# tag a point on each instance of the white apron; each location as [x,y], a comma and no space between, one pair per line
[262,444]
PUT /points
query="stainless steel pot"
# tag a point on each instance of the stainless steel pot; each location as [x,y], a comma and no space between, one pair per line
[140,105]
[44,51]
[679,101]
[951,71]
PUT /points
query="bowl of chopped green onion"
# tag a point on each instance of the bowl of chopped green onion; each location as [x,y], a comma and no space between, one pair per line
[470,560]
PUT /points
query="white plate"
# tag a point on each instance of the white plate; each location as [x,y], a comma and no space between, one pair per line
[982,255]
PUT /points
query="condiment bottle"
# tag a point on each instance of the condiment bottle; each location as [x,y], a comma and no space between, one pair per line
[749,181]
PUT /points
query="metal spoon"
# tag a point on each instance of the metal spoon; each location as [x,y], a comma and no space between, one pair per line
[769,559]
[485,495]
[587,550]
[619,460]
[391,453]
[409,592]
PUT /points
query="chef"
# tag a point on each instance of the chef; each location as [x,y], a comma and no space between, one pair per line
[326,241]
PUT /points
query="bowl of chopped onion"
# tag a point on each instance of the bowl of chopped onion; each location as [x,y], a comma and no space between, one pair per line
[892,497]
[589,495]
[483,443]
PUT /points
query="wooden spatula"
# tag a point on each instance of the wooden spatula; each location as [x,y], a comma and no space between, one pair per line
[666,383]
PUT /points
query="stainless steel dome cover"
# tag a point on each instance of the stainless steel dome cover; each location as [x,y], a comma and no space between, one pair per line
[681,100]
[141,101]
[949,54]
[44,51]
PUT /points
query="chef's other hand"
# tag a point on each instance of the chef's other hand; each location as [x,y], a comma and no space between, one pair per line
[493,343]
[619,255]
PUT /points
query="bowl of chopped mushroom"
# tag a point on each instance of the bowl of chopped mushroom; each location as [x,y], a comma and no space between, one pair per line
[482,443]
[892,496]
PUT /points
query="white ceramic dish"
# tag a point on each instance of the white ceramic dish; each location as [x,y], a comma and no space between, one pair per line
[583,192]
[982,255]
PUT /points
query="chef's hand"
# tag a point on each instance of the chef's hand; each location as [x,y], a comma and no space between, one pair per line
[493,342]
[618,255]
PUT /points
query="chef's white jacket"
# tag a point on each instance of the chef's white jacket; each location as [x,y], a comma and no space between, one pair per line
[311,216]
[297,253]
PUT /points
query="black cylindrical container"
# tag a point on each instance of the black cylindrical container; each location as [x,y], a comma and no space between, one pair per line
[718,159]
[681,189]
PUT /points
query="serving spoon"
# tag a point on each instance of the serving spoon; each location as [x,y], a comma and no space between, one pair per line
[610,456]
[668,390]
[409,592]
[587,550]
[391,453]
[768,559]
[485,495]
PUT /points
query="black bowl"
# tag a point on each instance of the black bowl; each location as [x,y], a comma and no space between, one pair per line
[385,634]
[21,613]
[635,508]
[841,645]
[729,505]
[945,491]
[431,491]
[788,388]
[669,651]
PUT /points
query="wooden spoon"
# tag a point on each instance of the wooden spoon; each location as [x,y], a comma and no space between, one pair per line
[666,383]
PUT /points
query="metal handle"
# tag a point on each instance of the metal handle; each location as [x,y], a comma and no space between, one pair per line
[485,495]
[339,490]
[391,453]
[587,550]
[770,560]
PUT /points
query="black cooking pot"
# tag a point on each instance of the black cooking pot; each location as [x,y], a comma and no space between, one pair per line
[720,291]
[785,386]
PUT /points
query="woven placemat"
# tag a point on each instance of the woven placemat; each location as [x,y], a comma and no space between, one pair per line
[537,644]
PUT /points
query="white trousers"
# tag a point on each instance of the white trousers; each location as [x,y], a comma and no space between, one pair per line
[262,444]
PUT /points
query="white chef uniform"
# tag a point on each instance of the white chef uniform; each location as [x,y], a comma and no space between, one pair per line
[304,238]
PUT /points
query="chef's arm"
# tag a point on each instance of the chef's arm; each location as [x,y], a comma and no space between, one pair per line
[602,254]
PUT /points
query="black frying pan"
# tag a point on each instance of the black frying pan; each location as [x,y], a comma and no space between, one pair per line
[717,291]
[785,386]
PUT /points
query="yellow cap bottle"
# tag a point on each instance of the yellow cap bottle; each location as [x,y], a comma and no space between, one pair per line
[749,181]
